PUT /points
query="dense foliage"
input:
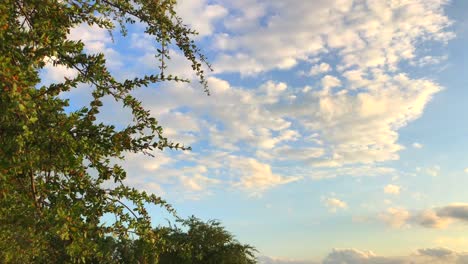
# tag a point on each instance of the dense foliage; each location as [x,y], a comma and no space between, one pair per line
[55,165]
[195,242]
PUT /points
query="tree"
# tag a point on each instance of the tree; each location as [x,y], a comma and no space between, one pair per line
[195,242]
[51,203]
[204,243]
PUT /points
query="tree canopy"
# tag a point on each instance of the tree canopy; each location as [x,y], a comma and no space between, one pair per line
[55,164]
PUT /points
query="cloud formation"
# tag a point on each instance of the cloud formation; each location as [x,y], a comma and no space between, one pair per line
[347,119]
[438,217]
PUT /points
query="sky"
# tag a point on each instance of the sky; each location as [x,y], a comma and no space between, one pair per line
[335,132]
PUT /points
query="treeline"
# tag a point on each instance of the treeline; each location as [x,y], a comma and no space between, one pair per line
[192,242]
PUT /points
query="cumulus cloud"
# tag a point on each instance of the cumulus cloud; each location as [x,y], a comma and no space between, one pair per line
[369,39]
[457,211]
[360,128]
[392,189]
[367,34]
[200,15]
[395,217]
[320,68]
[329,82]
[345,123]
[438,217]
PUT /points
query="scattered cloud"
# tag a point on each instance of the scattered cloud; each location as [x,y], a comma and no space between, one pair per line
[320,68]
[392,189]
[343,124]
[334,204]
[395,217]
[359,35]
[417,145]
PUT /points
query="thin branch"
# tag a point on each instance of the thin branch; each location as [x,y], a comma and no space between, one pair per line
[128,208]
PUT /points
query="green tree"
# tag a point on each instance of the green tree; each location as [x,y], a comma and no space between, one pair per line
[204,243]
[50,203]
[195,242]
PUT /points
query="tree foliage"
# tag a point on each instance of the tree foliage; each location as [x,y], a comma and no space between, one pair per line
[194,242]
[204,243]
[55,164]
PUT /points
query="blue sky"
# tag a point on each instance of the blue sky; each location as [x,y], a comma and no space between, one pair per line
[335,131]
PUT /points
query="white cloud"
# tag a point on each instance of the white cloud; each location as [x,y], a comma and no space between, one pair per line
[329,82]
[97,40]
[417,145]
[343,124]
[298,30]
[360,122]
[395,217]
[255,177]
[57,73]
[320,68]
[333,204]
[197,182]
[200,15]
[361,128]
[392,189]
[430,60]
